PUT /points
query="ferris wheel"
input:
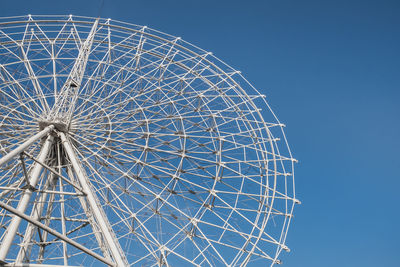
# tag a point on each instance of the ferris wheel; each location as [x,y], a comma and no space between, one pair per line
[122,145]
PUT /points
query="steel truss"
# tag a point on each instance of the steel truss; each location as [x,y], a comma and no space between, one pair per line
[121,145]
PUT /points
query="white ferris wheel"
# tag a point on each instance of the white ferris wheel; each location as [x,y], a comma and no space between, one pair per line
[121,145]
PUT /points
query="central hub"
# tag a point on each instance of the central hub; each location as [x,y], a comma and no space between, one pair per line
[58,125]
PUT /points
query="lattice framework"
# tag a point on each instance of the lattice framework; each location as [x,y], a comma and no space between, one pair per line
[140,149]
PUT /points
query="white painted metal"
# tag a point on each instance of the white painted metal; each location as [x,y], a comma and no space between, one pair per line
[62,204]
[32,74]
[25,145]
[51,202]
[37,211]
[89,214]
[21,215]
[167,151]
[24,201]
[58,174]
[111,240]
[66,100]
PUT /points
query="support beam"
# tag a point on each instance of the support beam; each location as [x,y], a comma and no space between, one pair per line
[24,200]
[55,233]
[110,239]
[46,221]
[25,145]
[58,174]
[90,218]
[66,99]
[36,213]
[63,226]
[62,204]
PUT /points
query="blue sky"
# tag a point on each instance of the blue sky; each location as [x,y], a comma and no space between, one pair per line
[331,72]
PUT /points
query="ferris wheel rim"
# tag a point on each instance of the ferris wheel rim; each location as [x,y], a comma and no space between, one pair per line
[217,65]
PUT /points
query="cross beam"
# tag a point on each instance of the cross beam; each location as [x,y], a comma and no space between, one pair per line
[22,215]
[24,200]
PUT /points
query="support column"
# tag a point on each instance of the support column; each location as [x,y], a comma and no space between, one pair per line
[91,219]
[110,239]
[55,233]
[24,200]
[37,211]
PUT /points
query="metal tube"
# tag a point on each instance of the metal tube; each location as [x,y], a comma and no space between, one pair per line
[23,146]
[99,214]
[90,218]
[58,174]
[43,236]
[64,231]
[24,200]
[37,211]
[55,233]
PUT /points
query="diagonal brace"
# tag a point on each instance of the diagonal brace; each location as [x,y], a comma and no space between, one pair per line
[55,233]
[25,145]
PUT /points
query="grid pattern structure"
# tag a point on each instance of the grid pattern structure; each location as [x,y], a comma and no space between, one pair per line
[153,151]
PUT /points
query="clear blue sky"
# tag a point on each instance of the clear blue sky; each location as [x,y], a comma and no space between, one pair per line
[331,72]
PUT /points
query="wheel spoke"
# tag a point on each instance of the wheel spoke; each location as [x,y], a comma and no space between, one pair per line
[160,154]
